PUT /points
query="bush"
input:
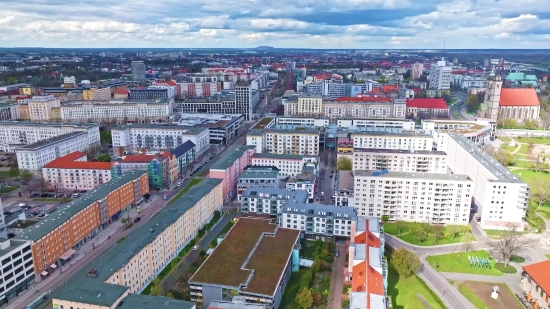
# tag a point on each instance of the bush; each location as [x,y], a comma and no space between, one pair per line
[517,259]
[385,218]
[505,269]
[202,253]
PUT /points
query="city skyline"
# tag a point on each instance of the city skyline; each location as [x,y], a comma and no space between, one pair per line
[346,24]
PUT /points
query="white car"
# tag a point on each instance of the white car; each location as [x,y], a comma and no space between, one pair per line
[195,248]
[179,184]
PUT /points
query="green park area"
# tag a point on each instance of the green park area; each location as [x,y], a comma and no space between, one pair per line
[423,234]
[479,294]
[474,262]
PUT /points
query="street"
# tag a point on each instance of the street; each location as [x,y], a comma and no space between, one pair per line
[327,174]
[337,278]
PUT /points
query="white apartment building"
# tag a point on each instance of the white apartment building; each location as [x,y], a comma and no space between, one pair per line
[288,165]
[292,141]
[440,76]
[9,112]
[304,106]
[305,181]
[16,133]
[502,195]
[417,70]
[302,121]
[155,137]
[17,268]
[34,156]
[422,161]
[464,81]
[350,110]
[74,172]
[416,197]
[119,111]
[399,140]
[3,223]
[40,107]
[405,124]
[69,80]
[318,221]
[269,201]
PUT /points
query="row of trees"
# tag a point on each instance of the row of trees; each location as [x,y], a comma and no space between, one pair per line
[438,232]
[511,123]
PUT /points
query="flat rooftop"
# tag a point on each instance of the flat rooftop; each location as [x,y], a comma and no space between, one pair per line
[53,140]
[432,176]
[277,156]
[275,193]
[14,243]
[345,181]
[229,158]
[397,151]
[393,132]
[138,301]
[259,172]
[317,209]
[233,260]
[180,129]
[47,124]
[263,123]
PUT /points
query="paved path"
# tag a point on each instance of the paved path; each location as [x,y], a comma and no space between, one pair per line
[337,278]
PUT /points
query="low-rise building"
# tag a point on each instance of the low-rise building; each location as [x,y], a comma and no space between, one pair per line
[421,161]
[302,121]
[223,128]
[258,176]
[405,124]
[264,200]
[17,268]
[238,302]
[288,165]
[229,167]
[185,156]
[319,220]
[480,131]
[34,156]
[161,168]
[253,260]
[307,180]
[74,172]
[343,189]
[425,108]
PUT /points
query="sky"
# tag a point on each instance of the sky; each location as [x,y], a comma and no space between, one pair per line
[331,24]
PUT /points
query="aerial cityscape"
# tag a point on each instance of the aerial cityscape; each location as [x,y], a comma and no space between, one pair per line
[288,157]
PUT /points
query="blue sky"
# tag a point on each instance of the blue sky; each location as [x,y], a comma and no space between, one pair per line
[278,23]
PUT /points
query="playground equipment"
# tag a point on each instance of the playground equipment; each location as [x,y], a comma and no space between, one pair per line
[474,261]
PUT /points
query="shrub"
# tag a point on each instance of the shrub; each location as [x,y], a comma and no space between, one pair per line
[505,269]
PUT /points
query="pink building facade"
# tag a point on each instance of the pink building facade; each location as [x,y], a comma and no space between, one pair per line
[229,168]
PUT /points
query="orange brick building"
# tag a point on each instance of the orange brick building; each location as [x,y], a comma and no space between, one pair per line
[65,230]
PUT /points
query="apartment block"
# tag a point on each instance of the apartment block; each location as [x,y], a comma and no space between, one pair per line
[229,167]
[394,139]
[262,257]
[257,176]
[425,108]
[503,196]
[440,76]
[297,141]
[138,71]
[319,220]
[367,269]
[301,121]
[162,169]
[153,93]
[34,156]
[415,197]
[127,268]
[143,136]
[304,106]
[62,232]
[185,156]
[417,70]
[96,94]
[365,109]
[9,112]
[421,161]
[16,133]
[74,172]
[263,200]
[40,107]
[405,124]
[307,181]
[288,165]
[17,268]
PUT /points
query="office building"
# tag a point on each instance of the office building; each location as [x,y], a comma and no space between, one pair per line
[421,161]
[229,167]
[161,168]
[425,108]
[153,93]
[96,94]
[16,133]
[114,111]
[157,137]
[40,107]
[223,128]
[17,268]
[74,172]
[444,199]
[394,139]
[77,222]
[288,165]
[138,72]
[307,181]
[185,156]
[34,156]
[367,268]
[440,76]
[503,196]
[254,260]
[257,176]
[319,221]
[129,266]
[416,70]
[264,200]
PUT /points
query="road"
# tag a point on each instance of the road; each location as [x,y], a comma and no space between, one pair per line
[326,183]
[337,278]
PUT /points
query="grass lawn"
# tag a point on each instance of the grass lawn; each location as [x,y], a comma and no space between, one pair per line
[547,256]
[523,149]
[479,294]
[458,263]
[5,173]
[308,248]
[193,182]
[523,163]
[544,210]
[507,148]
[404,291]
[471,296]
[531,177]
[534,140]
[8,189]
[292,289]
[407,234]
[494,233]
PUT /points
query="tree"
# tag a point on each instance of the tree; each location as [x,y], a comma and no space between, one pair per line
[540,191]
[473,103]
[344,164]
[156,288]
[104,158]
[13,172]
[105,136]
[304,299]
[405,262]
[420,233]
[453,230]
[43,184]
[501,156]
[438,233]
[382,79]
[27,177]
[531,124]
[508,243]
[540,163]
[316,266]
[306,279]
[400,226]
[170,295]
[385,218]
[510,123]
[317,299]
[467,241]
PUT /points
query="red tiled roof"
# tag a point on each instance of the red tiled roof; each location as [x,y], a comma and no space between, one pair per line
[363,99]
[138,158]
[68,162]
[519,97]
[427,103]
[122,91]
[539,273]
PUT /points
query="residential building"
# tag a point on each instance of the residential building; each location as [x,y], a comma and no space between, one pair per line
[307,181]
[161,168]
[304,106]
[365,107]
[421,161]
[440,76]
[288,165]
[16,133]
[394,139]
[9,112]
[223,128]
[265,200]
[114,111]
[229,167]
[425,108]
[40,107]
[138,72]
[343,189]
[131,265]
[295,141]
[445,199]
[405,124]
[96,94]
[34,156]
[257,176]
[121,94]
[301,121]
[153,93]
[416,70]
[503,196]
[254,260]
[3,223]
[202,89]
[185,156]
[74,172]
[17,268]
[80,220]
[319,221]
[367,268]
[144,136]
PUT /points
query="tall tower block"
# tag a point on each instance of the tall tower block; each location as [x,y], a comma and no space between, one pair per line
[492,95]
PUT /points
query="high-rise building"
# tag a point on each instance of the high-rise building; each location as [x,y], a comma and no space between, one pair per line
[440,76]
[138,71]
[416,70]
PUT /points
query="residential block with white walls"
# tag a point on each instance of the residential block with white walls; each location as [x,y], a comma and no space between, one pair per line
[399,139]
[422,161]
[40,107]
[263,200]
[288,165]
[296,141]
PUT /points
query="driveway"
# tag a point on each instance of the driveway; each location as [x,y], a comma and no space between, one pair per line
[337,278]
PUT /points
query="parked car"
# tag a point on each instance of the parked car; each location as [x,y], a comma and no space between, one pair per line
[178,185]
[195,248]
[137,219]
[42,216]
[337,253]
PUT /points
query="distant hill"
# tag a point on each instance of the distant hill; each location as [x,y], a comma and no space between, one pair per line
[265,47]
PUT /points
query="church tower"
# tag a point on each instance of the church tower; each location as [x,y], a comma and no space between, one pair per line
[492,95]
